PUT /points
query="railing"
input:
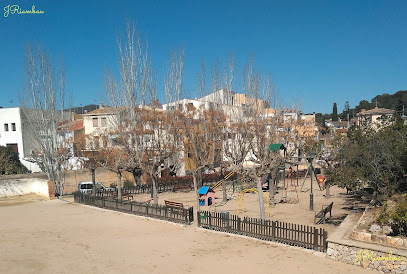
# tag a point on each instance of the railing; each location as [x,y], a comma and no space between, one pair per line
[291,234]
[172,214]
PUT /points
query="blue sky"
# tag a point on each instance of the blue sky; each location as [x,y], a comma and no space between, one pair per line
[318,52]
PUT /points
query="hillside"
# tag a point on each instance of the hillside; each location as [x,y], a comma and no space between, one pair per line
[390,101]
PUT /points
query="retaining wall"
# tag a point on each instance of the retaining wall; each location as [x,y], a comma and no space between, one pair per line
[16,187]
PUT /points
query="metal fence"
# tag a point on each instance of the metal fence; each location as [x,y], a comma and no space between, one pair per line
[291,234]
[168,213]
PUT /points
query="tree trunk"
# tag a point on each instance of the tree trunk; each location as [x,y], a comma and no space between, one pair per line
[194,175]
[62,185]
[261,203]
[327,189]
[272,178]
[155,197]
[199,178]
[119,186]
[136,175]
[137,180]
[225,197]
[93,183]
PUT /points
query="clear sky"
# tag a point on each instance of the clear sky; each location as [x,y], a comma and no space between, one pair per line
[319,52]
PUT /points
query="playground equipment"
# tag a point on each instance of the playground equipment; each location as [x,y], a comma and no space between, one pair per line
[237,185]
[150,201]
[230,174]
[240,200]
[206,196]
[310,168]
[321,182]
[284,194]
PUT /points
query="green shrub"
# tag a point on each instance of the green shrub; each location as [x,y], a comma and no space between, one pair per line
[399,217]
[128,184]
[384,217]
[9,162]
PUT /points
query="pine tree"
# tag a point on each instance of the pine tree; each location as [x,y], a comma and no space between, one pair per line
[346,111]
[335,113]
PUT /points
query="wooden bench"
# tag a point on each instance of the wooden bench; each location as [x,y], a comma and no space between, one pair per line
[321,215]
[125,195]
[182,187]
[174,204]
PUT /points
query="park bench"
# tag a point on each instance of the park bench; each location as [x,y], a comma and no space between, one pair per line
[125,195]
[174,207]
[174,204]
[182,187]
[321,215]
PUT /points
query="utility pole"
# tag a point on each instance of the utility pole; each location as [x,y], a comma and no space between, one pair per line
[311,195]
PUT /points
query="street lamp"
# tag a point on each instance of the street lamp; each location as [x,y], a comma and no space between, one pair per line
[311,156]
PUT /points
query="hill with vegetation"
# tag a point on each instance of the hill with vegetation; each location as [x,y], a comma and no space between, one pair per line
[394,101]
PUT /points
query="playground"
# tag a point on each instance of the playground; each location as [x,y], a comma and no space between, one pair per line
[292,203]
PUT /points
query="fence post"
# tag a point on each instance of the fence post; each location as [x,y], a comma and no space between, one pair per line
[325,244]
[191,214]
[239,222]
[315,238]
[146,209]
[210,220]
[273,231]
[199,218]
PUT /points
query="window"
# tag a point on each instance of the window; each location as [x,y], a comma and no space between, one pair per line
[95,122]
[103,122]
[13,146]
[13,126]
[5,127]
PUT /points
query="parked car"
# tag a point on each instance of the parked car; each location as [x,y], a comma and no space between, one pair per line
[86,187]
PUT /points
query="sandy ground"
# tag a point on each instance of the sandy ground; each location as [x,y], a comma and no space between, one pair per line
[298,213]
[53,236]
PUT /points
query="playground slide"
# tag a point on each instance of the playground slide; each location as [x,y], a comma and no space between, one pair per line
[230,174]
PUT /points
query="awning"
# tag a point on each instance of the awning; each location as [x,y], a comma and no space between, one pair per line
[275,147]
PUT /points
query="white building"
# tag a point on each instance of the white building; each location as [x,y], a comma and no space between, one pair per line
[15,132]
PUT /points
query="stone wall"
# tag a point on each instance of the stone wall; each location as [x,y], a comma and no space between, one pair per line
[366,258]
[380,239]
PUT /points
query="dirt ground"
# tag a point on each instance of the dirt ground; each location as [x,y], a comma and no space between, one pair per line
[54,236]
[297,213]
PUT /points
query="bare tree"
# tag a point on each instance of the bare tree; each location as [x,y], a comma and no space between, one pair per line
[202,131]
[173,76]
[136,87]
[201,79]
[161,143]
[44,102]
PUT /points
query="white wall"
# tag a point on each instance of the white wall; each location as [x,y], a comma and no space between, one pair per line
[9,116]
[16,187]
[22,136]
